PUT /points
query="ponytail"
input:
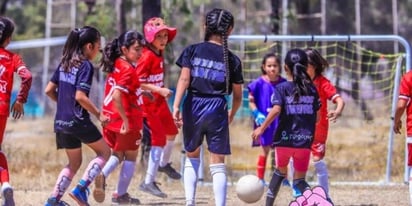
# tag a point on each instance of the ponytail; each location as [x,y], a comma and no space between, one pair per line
[297,61]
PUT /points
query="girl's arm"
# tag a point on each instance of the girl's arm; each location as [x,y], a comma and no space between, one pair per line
[182,85]
[400,109]
[274,112]
[85,102]
[164,92]
[237,101]
[51,91]
[117,100]
[340,104]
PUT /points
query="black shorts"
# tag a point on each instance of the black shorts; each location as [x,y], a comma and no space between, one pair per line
[206,117]
[75,140]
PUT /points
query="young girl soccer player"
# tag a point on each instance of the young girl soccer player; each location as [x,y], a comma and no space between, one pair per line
[317,64]
[69,87]
[209,72]
[296,103]
[10,63]
[157,116]
[122,106]
[260,91]
[404,103]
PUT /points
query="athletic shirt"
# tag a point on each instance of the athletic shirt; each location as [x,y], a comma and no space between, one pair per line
[124,78]
[262,91]
[9,64]
[297,119]
[326,92]
[71,117]
[207,69]
[405,92]
[150,71]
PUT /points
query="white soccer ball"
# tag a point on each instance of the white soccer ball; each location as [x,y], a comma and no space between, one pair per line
[249,188]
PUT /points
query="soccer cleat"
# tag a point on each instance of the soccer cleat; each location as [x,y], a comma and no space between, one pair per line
[7,197]
[170,171]
[124,199]
[79,195]
[285,183]
[53,202]
[295,192]
[152,189]
[99,188]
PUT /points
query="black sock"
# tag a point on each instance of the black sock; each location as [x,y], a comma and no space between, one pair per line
[274,186]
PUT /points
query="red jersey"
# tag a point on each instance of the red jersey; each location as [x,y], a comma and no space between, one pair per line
[123,78]
[150,71]
[9,64]
[405,92]
[326,92]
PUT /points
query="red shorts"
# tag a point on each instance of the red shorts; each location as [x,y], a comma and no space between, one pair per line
[318,149]
[160,123]
[122,142]
[301,157]
[3,122]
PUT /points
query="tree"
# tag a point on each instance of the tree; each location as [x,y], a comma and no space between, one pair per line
[151,8]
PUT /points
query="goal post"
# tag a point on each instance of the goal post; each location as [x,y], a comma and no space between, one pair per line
[251,49]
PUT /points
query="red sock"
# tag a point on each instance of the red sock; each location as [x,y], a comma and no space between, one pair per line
[4,172]
[261,166]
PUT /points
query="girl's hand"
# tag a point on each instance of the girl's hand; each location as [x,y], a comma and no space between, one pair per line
[125,127]
[103,119]
[177,117]
[230,116]
[256,133]
[397,126]
[333,116]
[17,110]
[165,92]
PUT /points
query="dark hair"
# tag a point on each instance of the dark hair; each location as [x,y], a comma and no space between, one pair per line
[218,22]
[113,49]
[297,61]
[266,57]
[315,59]
[6,28]
[72,50]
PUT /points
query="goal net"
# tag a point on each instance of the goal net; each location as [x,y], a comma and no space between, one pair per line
[357,147]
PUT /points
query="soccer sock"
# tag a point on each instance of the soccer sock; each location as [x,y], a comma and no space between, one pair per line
[110,165]
[301,185]
[410,185]
[125,176]
[261,166]
[63,182]
[4,168]
[323,176]
[93,169]
[273,187]
[218,173]
[153,164]
[190,179]
[167,153]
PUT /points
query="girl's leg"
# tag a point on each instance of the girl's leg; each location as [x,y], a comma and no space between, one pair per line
[261,163]
[191,175]
[127,171]
[274,185]
[149,185]
[164,164]
[218,172]
[66,174]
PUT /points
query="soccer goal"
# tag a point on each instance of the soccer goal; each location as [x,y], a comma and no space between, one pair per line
[361,145]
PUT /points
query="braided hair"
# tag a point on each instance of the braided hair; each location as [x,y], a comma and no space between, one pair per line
[219,22]
[113,49]
[6,29]
[297,61]
[73,48]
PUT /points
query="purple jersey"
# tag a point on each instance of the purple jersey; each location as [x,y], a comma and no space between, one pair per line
[71,117]
[297,119]
[262,91]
